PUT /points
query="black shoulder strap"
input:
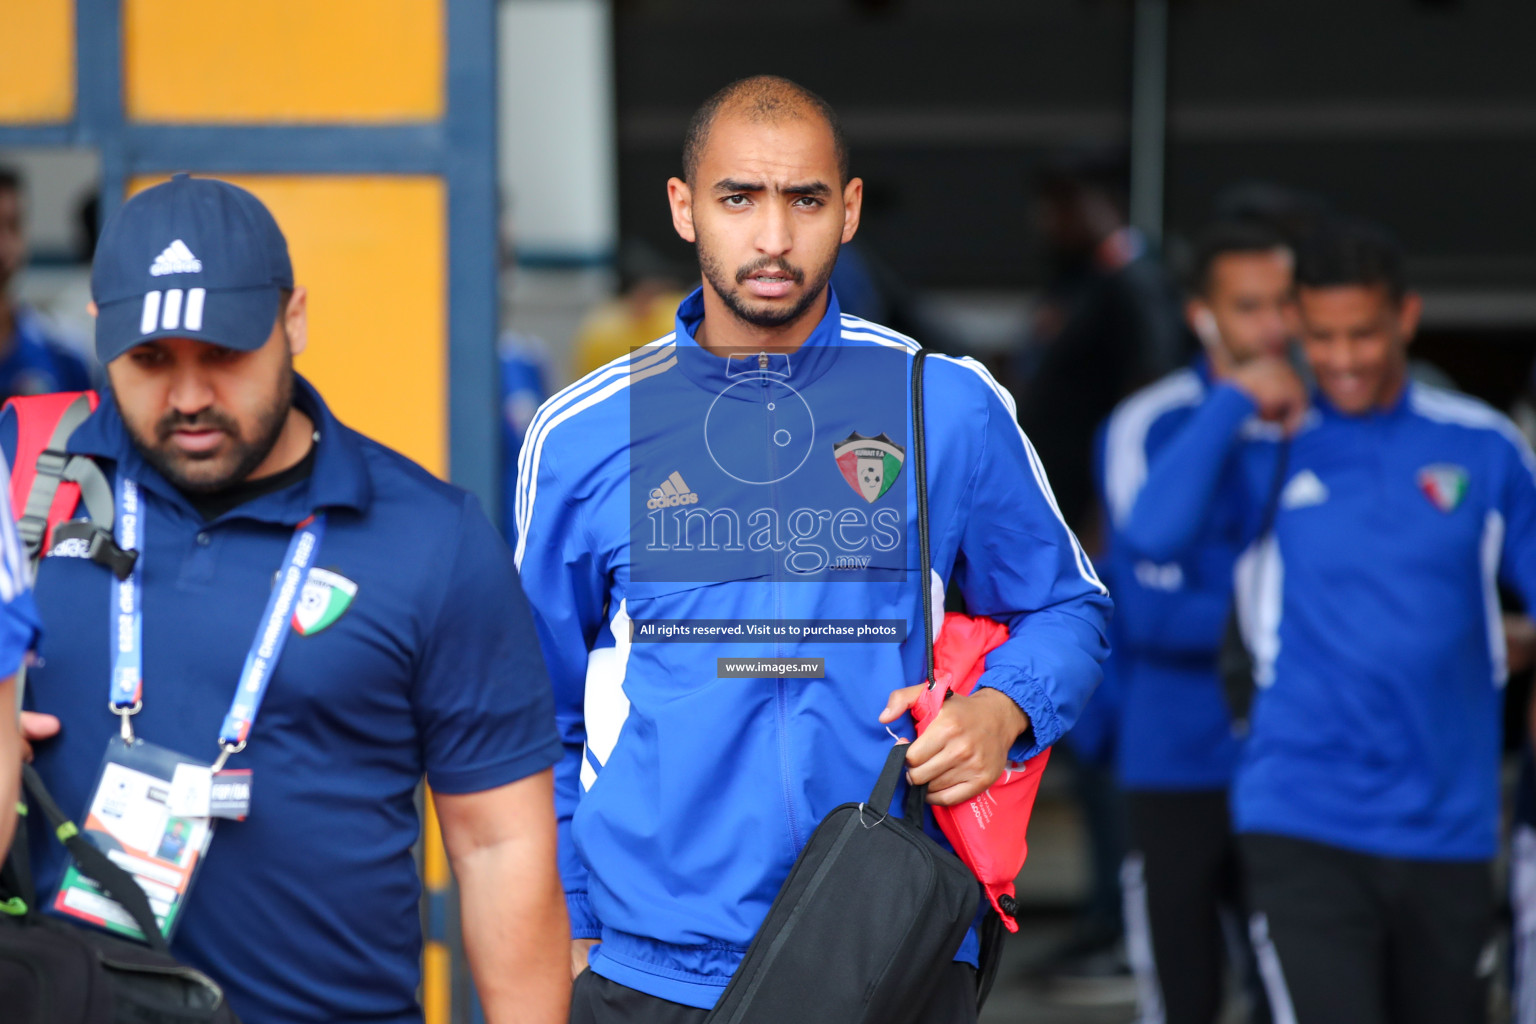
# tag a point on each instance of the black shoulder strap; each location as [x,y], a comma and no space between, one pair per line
[992,931]
[16,873]
[917,796]
[920,479]
[117,883]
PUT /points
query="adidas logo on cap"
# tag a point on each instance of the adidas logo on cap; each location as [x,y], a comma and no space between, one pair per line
[176,259]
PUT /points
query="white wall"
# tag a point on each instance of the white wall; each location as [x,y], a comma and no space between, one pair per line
[558,152]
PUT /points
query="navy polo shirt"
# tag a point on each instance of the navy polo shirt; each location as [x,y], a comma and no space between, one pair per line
[307,911]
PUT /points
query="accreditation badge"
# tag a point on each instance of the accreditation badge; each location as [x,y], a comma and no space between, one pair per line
[150,813]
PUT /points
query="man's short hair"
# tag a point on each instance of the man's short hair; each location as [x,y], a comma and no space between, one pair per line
[1229,238]
[761,98]
[1345,252]
[10,179]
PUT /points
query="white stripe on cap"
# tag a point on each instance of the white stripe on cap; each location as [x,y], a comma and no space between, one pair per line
[170,316]
[151,314]
[194,317]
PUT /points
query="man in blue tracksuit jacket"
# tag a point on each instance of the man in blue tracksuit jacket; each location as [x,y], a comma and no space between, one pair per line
[749,472]
[1367,794]
[1176,752]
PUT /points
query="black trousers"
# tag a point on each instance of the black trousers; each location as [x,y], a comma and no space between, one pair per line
[1184,909]
[596,1000]
[1350,938]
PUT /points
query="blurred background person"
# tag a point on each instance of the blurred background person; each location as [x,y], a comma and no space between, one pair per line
[32,360]
[1367,794]
[1108,323]
[1176,750]
[649,291]
[524,360]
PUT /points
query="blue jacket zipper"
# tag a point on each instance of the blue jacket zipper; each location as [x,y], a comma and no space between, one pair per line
[781,691]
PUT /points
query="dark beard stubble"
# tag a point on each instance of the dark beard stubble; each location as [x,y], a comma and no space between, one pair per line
[726,288]
[247,454]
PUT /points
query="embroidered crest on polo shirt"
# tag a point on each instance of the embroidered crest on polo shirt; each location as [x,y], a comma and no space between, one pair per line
[1444,485]
[176,258]
[1304,489]
[326,595]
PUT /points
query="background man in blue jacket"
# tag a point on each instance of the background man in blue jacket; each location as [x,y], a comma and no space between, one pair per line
[32,360]
[1367,794]
[750,468]
[1176,751]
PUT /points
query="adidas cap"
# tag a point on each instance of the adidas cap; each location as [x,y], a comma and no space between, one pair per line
[191,258]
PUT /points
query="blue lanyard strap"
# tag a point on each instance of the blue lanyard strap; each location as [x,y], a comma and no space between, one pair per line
[261,660]
[127,613]
[127,684]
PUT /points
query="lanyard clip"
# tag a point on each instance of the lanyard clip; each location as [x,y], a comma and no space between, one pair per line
[225,750]
[125,717]
[100,546]
[104,550]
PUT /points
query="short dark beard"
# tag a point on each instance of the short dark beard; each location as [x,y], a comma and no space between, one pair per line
[727,288]
[249,454]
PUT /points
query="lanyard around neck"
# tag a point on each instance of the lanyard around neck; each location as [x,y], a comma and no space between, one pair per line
[127,624]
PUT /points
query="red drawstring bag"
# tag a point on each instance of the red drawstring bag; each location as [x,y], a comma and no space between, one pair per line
[987,831]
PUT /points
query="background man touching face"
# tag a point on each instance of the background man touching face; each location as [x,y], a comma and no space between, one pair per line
[1176,752]
[1366,799]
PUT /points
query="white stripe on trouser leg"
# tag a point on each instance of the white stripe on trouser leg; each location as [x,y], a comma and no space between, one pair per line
[1264,952]
[194,317]
[151,312]
[1522,898]
[1138,940]
[170,316]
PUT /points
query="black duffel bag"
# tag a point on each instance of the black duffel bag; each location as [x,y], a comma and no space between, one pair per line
[52,972]
[870,916]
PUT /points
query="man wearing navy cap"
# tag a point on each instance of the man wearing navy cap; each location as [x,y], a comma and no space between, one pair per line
[392,642]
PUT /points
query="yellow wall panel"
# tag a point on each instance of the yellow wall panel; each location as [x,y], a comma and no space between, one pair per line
[296,61]
[37,61]
[372,252]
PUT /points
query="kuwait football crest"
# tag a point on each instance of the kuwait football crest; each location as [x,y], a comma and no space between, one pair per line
[869,464]
[325,596]
[1443,484]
